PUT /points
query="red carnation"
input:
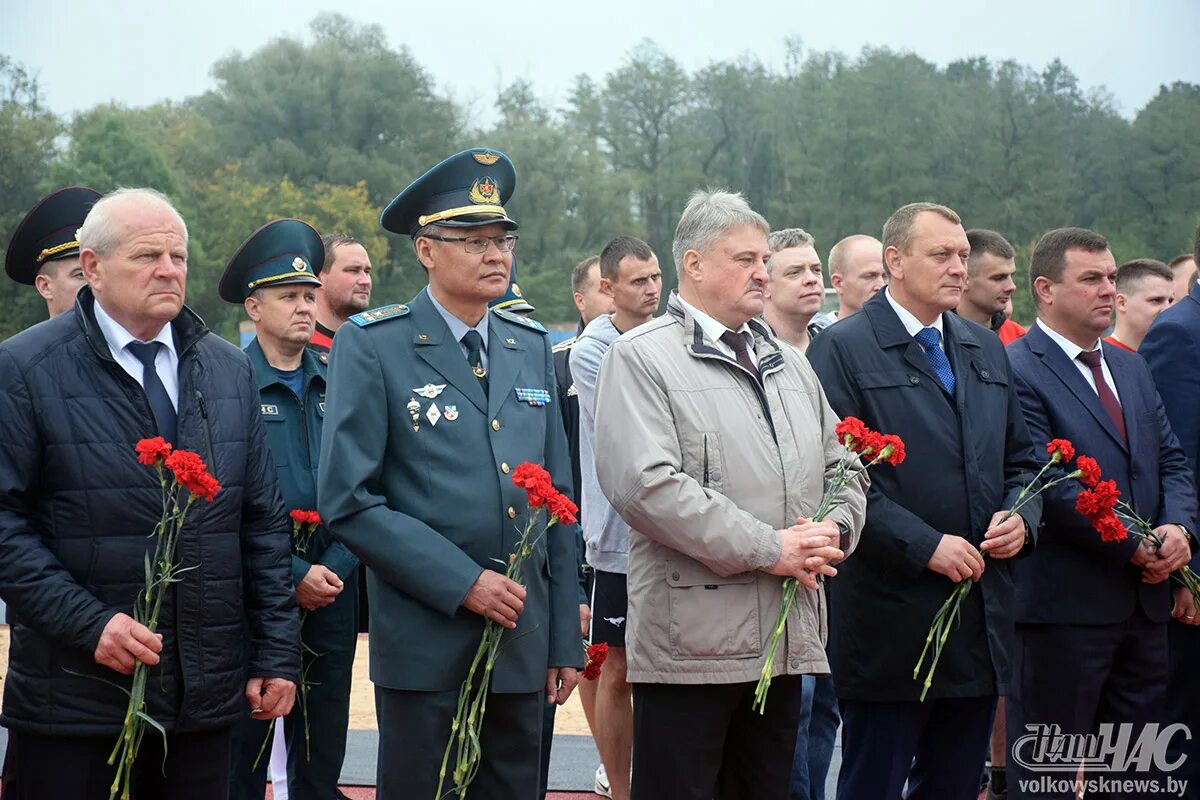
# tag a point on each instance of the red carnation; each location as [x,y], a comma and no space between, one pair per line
[891,449]
[853,433]
[870,443]
[1110,528]
[535,480]
[1060,450]
[152,451]
[1098,502]
[299,516]
[562,509]
[313,518]
[191,473]
[1089,470]
[596,655]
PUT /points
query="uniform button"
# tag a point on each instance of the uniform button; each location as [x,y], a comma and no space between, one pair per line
[914,380]
[495,424]
[674,576]
[512,513]
[795,663]
[984,374]
[504,467]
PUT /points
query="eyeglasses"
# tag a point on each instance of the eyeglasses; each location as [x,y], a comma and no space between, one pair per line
[479,244]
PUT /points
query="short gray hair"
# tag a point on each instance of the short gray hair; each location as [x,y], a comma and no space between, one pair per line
[788,238]
[99,231]
[897,231]
[710,214]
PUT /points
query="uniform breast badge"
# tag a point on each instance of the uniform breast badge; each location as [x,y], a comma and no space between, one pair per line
[414,411]
[450,413]
[433,414]
[430,390]
[534,397]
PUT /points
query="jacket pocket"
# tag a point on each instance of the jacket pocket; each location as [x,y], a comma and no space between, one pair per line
[988,374]
[888,379]
[711,616]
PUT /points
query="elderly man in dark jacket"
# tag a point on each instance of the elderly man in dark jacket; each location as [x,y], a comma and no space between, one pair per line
[906,365]
[77,510]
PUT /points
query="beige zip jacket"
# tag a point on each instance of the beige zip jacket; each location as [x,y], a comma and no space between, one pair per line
[706,464]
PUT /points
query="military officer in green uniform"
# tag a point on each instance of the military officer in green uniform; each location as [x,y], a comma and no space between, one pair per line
[44,249]
[274,276]
[431,407]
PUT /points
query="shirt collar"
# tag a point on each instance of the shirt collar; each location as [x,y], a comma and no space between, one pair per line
[712,329]
[458,328]
[909,320]
[1070,348]
[118,338]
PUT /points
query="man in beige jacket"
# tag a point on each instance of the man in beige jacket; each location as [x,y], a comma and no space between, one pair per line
[715,442]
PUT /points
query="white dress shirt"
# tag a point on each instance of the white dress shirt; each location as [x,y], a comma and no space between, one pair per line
[166,363]
[1073,350]
[714,330]
[912,324]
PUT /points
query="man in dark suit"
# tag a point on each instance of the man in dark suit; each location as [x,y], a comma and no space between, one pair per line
[906,365]
[1172,351]
[1091,633]
[431,407]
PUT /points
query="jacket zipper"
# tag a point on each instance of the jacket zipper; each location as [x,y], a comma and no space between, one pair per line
[207,432]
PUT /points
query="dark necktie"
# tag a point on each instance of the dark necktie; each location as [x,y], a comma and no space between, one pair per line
[1107,399]
[741,350]
[931,342]
[156,393]
[474,344]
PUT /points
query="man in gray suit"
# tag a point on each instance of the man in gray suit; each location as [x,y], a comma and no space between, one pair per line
[431,405]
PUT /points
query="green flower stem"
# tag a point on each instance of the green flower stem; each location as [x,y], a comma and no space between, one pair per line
[948,615]
[830,500]
[467,725]
[148,604]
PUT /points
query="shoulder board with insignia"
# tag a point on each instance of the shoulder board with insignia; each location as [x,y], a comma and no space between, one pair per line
[517,318]
[565,344]
[374,315]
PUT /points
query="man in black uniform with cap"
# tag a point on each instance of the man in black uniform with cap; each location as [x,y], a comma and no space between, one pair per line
[44,250]
[435,403]
[274,276]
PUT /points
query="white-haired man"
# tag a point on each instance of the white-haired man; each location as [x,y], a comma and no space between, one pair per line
[76,509]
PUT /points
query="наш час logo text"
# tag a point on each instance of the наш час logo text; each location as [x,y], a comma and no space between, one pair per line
[1123,747]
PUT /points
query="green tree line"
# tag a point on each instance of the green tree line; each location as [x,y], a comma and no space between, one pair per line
[330,126]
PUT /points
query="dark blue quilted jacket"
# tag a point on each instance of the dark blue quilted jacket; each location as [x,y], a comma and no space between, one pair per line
[76,510]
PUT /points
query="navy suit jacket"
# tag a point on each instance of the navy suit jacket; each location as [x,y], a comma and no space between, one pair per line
[1172,351]
[967,457]
[1074,577]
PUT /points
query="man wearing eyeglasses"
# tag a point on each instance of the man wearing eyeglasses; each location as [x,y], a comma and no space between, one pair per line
[431,406]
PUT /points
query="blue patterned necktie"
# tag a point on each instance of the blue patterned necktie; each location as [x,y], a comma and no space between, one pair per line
[930,340]
[156,393]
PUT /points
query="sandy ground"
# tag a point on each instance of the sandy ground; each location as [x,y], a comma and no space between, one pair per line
[362,698]
[568,719]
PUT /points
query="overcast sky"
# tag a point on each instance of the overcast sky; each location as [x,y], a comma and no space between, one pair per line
[139,52]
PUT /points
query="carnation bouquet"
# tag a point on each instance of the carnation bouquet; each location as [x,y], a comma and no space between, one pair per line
[1101,503]
[183,479]
[464,743]
[1062,452]
[863,448]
